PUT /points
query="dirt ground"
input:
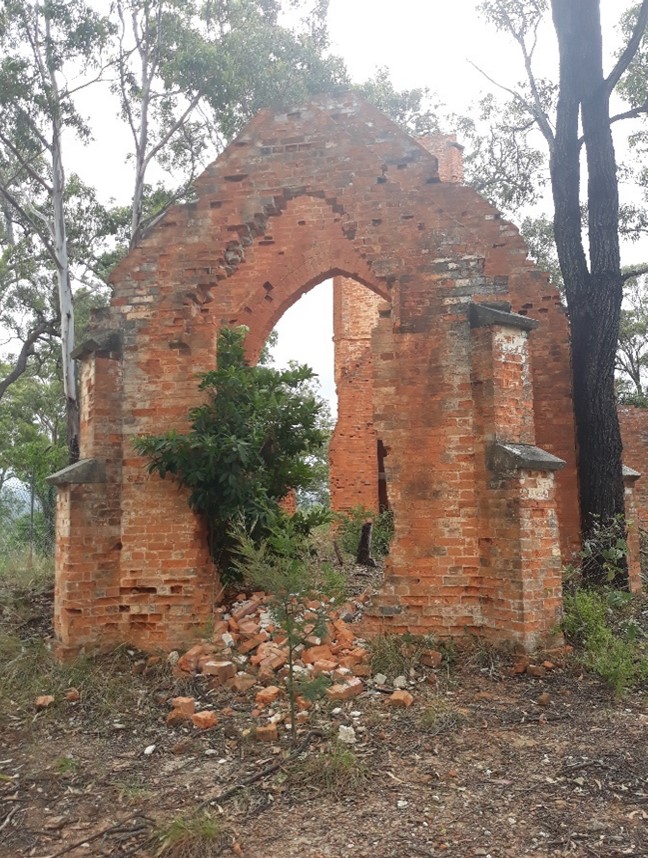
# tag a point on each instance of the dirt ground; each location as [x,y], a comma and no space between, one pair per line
[484,763]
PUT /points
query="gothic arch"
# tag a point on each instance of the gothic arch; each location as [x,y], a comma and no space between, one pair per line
[333,188]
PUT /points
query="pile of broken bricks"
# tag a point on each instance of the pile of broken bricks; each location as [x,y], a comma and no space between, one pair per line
[247,650]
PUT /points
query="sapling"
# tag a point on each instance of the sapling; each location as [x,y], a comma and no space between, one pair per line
[282,566]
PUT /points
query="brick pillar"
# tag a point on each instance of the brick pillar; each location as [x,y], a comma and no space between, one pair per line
[519,537]
[353,451]
[630,477]
[86,596]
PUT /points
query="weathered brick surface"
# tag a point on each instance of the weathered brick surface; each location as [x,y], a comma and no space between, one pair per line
[634,430]
[353,450]
[334,190]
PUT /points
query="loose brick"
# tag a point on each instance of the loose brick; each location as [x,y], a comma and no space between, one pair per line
[204,720]
[268,695]
[401,699]
[267,733]
[346,690]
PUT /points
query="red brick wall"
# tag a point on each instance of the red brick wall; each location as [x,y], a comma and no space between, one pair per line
[353,456]
[333,189]
[634,431]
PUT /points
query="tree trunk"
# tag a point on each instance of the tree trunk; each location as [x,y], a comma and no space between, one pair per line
[63,277]
[594,292]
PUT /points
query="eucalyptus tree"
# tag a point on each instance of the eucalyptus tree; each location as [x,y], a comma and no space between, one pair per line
[575,121]
[51,51]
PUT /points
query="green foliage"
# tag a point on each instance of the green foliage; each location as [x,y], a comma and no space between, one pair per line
[503,162]
[247,447]
[604,555]
[412,109]
[614,646]
[349,525]
[632,351]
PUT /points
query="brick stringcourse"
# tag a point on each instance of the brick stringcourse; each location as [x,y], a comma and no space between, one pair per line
[451,356]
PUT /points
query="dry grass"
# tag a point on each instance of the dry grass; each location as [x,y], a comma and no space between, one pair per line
[439,716]
[199,835]
[396,655]
[337,772]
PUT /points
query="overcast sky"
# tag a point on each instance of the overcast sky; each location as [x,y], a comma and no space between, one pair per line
[423,43]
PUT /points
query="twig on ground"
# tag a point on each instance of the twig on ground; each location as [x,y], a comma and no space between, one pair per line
[117,828]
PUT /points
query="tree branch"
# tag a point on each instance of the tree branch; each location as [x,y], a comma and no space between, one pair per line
[631,49]
[538,113]
[635,272]
[27,350]
[9,197]
[172,130]
[25,164]
[531,109]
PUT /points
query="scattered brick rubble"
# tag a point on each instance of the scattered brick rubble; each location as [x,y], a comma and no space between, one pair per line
[248,654]
[248,651]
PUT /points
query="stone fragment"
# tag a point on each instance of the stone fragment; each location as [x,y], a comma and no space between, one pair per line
[346,735]
[346,690]
[400,682]
[204,720]
[267,733]
[268,695]
[43,701]
[401,698]
[380,679]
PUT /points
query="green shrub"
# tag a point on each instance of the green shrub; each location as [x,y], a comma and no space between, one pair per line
[613,645]
[197,835]
[249,445]
[337,773]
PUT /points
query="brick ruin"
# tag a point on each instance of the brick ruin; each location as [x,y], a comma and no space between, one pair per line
[452,367]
